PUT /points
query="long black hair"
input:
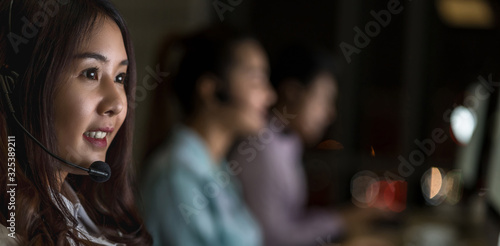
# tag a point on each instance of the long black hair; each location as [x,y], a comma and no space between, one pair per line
[210,51]
[301,62]
[38,44]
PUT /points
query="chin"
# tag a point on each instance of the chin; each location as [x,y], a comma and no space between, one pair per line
[251,129]
[259,125]
[89,161]
[311,138]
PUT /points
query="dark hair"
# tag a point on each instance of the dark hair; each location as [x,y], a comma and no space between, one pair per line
[189,57]
[209,52]
[38,56]
[302,63]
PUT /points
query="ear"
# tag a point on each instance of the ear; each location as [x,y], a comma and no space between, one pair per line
[205,88]
[291,90]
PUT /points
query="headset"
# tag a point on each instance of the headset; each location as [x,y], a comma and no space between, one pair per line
[223,96]
[99,171]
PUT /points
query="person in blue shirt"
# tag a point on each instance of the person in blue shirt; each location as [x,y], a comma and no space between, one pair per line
[189,193]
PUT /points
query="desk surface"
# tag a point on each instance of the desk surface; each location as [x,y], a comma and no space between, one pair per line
[428,226]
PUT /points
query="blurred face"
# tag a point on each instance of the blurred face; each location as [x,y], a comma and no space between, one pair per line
[251,93]
[317,108]
[91,104]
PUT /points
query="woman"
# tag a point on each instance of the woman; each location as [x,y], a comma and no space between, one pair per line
[73,94]
[223,89]
[273,177]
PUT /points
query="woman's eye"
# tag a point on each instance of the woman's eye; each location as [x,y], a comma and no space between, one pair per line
[91,73]
[121,78]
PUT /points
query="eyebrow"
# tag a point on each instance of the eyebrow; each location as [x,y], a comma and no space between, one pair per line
[97,56]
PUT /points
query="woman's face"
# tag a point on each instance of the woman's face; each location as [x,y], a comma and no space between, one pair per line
[316,110]
[91,103]
[250,91]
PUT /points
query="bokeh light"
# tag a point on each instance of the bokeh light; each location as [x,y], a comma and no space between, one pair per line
[369,190]
[463,124]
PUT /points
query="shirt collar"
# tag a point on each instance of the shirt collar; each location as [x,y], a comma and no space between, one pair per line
[195,148]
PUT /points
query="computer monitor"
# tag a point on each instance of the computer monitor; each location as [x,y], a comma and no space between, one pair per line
[493,181]
[468,157]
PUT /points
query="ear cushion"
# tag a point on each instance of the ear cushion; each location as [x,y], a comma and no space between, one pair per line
[8,79]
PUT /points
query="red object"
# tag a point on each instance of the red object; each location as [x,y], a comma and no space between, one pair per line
[391,195]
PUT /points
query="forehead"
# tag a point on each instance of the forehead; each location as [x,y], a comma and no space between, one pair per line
[324,82]
[250,52]
[104,36]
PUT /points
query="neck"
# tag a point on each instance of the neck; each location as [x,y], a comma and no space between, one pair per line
[292,123]
[216,135]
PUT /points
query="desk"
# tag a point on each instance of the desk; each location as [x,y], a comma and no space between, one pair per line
[427,226]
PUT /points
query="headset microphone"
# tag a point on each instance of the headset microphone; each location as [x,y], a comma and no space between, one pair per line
[99,171]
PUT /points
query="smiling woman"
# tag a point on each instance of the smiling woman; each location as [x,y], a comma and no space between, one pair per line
[91,103]
[75,81]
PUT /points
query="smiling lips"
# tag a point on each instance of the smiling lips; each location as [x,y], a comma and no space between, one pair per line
[98,137]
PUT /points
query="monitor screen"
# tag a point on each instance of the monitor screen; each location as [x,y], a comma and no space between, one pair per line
[493,180]
[468,125]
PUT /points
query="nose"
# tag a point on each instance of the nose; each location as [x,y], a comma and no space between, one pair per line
[113,98]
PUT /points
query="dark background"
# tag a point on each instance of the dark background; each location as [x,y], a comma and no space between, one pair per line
[395,91]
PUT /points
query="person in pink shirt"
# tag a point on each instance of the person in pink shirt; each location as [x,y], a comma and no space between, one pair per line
[272,175]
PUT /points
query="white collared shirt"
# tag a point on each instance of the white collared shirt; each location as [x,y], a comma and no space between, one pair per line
[85,227]
[5,240]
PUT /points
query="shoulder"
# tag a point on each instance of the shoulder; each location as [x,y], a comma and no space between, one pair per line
[174,168]
[265,146]
[5,239]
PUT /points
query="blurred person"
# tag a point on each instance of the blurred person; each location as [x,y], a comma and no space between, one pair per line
[68,80]
[223,90]
[272,175]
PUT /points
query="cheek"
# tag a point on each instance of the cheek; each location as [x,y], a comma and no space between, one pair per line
[254,97]
[72,114]
[244,112]
[311,114]
[251,105]
[122,116]
[124,113]
[72,109]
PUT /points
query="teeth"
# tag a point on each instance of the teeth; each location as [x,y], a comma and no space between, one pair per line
[96,134]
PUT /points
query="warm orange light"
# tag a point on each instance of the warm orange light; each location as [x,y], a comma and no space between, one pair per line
[330,145]
[466,13]
[373,152]
[436,182]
